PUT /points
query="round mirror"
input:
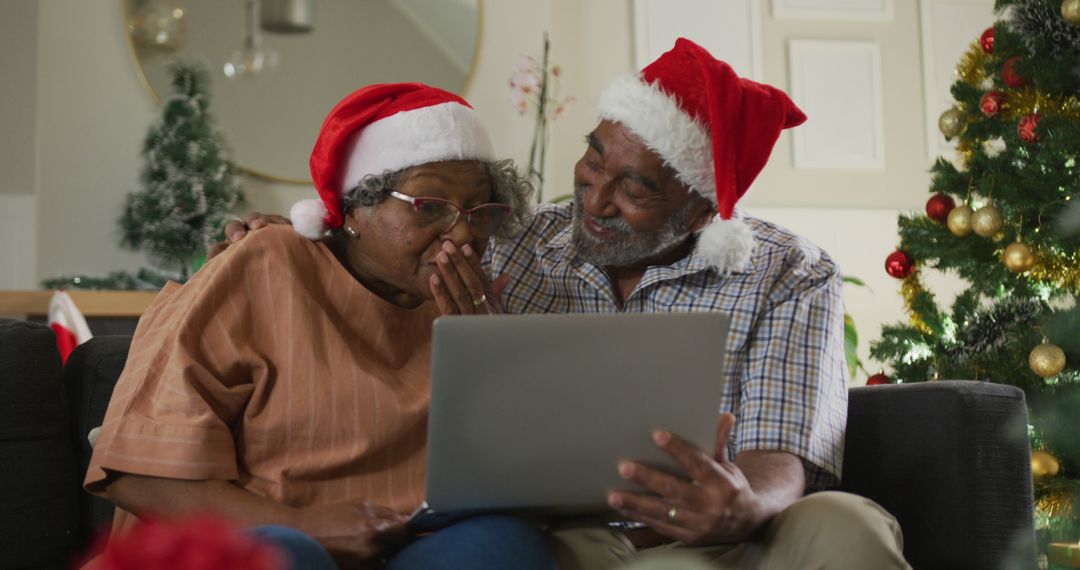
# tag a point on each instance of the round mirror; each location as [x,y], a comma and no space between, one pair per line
[277,67]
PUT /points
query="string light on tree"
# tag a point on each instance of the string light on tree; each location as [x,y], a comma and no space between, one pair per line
[939,206]
[1047,360]
[959,221]
[987,221]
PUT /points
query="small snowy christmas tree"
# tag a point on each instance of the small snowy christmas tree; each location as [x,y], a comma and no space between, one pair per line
[189,184]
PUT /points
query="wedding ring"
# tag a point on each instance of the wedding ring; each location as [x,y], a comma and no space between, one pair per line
[480,301]
[671,514]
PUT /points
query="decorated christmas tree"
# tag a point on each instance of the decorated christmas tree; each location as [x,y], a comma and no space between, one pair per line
[999,218]
[189,183]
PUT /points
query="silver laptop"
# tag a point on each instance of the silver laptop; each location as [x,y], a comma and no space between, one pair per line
[532,413]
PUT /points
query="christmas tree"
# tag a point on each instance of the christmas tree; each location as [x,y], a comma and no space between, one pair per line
[189,184]
[998,219]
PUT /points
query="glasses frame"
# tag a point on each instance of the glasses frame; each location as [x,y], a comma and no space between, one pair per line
[418,202]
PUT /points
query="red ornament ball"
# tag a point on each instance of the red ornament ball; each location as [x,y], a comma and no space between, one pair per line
[1009,74]
[899,264]
[877,379]
[1028,129]
[939,206]
[986,40]
[991,103]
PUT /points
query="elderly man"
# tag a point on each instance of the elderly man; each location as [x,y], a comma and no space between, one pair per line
[653,227]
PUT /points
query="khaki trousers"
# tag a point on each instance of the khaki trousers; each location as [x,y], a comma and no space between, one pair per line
[828,530]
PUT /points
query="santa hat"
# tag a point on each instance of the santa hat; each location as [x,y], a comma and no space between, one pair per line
[385,128]
[713,128]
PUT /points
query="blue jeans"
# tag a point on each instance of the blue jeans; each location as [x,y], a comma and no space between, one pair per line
[478,543]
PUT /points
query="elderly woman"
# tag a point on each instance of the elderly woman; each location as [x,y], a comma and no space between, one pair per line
[287,382]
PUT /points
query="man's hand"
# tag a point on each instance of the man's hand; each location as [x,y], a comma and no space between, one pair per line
[461,287]
[716,505]
[237,229]
[355,534]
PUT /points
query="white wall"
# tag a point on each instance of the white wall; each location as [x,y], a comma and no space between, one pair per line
[91,113]
[18,69]
[18,75]
[271,122]
[509,28]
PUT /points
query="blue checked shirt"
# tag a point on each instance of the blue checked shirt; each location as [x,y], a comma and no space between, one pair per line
[785,364]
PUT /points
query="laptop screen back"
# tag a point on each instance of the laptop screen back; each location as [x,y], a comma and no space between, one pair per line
[534,412]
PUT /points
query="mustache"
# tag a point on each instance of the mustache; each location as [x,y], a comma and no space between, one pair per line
[614,223]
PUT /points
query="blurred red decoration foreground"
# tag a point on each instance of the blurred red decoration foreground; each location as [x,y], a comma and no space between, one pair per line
[202,542]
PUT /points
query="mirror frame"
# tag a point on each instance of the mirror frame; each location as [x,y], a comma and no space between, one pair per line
[251,171]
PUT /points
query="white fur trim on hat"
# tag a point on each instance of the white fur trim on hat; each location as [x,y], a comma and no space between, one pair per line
[664,127]
[727,245]
[309,218]
[447,131]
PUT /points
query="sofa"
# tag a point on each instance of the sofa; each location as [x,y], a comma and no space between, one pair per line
[949,459]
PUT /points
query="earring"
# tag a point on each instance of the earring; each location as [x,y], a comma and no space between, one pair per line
[352,231]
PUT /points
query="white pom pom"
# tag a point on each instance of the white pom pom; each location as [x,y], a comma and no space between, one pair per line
[309,218]
[727,245]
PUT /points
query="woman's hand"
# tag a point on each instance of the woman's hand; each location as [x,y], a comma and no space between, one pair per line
[461,287]
[356,534]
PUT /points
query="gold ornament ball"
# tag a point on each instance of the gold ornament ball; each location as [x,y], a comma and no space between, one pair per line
[951,123]
[1044,465]
[959,221]
[1018,257]
[1047,360]
[987,221]
[1070,10]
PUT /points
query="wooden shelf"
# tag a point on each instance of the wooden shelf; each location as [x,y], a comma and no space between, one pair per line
[91,303]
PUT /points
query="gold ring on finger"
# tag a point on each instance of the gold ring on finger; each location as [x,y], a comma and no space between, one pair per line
[672,512]
[480,301]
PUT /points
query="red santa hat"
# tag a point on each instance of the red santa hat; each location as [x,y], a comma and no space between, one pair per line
[385,128]
[715,129]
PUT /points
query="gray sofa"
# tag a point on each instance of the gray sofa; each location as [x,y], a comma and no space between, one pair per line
[949,459]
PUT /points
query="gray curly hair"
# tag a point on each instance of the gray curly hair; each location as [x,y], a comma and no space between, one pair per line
[508,186]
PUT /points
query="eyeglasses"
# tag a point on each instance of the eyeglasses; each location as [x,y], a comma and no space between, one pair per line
[484,220]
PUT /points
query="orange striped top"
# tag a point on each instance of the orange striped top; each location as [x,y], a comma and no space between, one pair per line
[273,367]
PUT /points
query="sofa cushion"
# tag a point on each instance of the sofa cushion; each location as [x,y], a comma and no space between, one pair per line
[39,476]
[90,375]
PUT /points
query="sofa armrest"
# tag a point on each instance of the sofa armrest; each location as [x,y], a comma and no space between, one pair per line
[90,376]
[951,461]
[38,472]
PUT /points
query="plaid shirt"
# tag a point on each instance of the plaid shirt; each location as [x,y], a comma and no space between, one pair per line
[785,367]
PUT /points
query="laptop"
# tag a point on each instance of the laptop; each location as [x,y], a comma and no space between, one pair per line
[531,414]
